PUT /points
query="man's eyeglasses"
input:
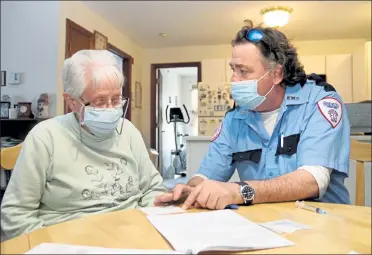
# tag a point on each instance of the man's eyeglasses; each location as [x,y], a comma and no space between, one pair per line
[101,104]
[256,36]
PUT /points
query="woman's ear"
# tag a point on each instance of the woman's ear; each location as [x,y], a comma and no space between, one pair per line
[278,75]
[70,101]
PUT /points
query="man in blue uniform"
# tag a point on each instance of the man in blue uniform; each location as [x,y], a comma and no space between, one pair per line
[288,136]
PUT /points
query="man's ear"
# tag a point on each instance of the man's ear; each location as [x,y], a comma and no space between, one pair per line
[278,75]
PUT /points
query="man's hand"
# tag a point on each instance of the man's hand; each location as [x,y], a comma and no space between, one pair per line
[213,195]
[178,195]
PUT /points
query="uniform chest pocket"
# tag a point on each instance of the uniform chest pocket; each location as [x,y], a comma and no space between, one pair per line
[251,155]
[288,145]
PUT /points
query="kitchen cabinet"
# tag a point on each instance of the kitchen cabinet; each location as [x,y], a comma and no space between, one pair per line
[362,73]
[338,69]
[339,74]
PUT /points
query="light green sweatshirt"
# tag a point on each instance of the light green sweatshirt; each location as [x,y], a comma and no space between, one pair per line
[64,172]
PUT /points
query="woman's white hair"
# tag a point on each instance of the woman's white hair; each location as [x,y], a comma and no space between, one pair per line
[90,67]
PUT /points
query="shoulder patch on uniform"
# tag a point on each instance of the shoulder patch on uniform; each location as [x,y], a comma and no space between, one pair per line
[331,109]
[217,132]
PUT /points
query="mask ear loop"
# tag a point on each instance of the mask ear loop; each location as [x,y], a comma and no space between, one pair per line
[124,114]
[80,126]
[269,90]
[263,77]
[81,122]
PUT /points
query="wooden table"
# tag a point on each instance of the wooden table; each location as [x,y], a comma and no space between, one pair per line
[345,228]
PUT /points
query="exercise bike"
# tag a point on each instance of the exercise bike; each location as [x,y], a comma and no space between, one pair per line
[176,116]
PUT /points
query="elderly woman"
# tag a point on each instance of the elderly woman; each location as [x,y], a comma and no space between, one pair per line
[86,162]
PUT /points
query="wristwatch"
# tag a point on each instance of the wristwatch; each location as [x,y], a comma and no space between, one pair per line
[247,193]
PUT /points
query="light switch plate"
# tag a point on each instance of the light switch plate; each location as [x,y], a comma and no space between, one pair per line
[13,78]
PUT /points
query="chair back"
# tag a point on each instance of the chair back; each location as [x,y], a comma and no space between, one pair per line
[361,153]
[9,156]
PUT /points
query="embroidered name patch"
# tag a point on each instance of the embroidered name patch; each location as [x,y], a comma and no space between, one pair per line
[331,110]
[217,132]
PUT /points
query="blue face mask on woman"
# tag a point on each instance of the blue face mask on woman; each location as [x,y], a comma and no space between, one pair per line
[102,123]
[245,93]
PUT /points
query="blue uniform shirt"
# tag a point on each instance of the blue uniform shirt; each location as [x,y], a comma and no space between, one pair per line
[312,128]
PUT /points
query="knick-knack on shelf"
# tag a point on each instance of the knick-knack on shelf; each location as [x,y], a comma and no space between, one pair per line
[43,106]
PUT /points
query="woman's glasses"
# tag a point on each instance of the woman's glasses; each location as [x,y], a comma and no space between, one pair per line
[101,104]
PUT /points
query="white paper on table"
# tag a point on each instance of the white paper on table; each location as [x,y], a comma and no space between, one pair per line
[284,226]
[55,248]
[159,210]
[353,252]
[222,230]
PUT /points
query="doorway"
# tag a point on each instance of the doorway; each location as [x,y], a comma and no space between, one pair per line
[173,85]
[125,62]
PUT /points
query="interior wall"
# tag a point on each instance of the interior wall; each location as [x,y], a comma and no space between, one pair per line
[199,53]
[34,56]
[82,15]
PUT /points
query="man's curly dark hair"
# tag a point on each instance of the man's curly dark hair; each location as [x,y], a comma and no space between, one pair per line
[276,49]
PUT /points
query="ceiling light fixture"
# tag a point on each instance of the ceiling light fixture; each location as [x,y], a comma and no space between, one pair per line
[163,35]
[277,16]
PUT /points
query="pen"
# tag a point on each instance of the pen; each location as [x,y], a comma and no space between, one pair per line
[302,205]
[281,140]
[233,207]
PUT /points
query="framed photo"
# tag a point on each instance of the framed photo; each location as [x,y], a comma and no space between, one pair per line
[138,95]
[100,41]
[4,107]
[3,78]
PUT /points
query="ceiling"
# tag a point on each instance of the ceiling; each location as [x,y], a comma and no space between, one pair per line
[216,22]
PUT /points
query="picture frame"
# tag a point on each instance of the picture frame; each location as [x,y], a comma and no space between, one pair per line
[100,41]
[138,95]
[4,109]
[3,78]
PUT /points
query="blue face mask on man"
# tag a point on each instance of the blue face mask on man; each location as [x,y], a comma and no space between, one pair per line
[102,123]
[245,93]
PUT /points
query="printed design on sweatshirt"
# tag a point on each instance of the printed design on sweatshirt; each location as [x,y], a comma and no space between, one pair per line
[112,185]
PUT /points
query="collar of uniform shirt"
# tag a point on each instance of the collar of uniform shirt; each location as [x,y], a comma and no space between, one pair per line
[297,94]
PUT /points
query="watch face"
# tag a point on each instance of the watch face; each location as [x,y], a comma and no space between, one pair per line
[248,193]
